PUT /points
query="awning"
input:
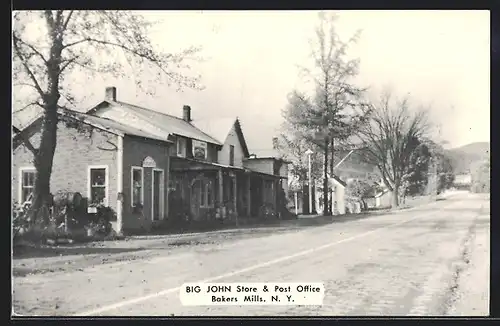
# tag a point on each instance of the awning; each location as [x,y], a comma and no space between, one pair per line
[188,164]
[180,164]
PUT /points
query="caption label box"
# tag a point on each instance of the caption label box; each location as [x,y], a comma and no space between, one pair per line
[240,294]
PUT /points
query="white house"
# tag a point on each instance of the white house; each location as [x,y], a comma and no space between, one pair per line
[337,190]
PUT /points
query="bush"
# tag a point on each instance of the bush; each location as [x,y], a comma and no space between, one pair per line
[283,203]
[100,222]
[20,221]
[24,230]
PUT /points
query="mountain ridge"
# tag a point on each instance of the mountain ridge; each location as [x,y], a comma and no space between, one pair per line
[465,157]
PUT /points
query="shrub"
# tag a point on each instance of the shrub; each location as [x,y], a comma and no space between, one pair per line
[24,230]
[20,221]
[100,222]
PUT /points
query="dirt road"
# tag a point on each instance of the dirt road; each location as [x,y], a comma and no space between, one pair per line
[412,262]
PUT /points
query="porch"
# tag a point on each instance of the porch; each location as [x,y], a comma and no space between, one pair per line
[203,191]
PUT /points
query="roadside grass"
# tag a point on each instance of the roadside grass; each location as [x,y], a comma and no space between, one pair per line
[186,238]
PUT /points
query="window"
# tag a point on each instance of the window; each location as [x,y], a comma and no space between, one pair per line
[137,186]
[181,147]
[27,184]
[203,194]
[231,155]
[206,193]
[98,185]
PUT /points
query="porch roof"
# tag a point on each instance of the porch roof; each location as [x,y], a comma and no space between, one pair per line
[179,164]
[188,164]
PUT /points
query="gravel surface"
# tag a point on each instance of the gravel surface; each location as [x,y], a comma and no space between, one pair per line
[403,263]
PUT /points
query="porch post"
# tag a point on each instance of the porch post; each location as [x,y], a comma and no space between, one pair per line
[119,186]
[235,198]
[275,196]
[263,191]
[249,193]
[221,189]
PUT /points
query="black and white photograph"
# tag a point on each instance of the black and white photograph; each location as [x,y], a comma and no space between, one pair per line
[272,163]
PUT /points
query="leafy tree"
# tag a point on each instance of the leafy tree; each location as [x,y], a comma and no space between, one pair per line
[415,180]
[50,46]
[362,190]
[445,171]
[440,168]
[390,139]
[334,108]
[481,177]
[293,147]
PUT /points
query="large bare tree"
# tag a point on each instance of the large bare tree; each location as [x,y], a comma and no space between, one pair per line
[390,139]
[334,109]
[50,45]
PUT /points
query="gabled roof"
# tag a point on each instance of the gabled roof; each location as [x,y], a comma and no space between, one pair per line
[112,125]
[383,192]
[165,122]
[101,123]
[337,178]
[219,128]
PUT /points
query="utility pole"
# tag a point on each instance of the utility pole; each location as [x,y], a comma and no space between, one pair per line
[309,153]
[436,181]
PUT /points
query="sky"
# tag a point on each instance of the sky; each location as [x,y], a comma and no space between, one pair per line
[440,58]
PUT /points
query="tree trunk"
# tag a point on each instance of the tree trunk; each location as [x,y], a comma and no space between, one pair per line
[395,197]
[44,156]
[325,181]
[365,206]
[42,199]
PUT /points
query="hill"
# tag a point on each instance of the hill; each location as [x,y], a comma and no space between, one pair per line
[465,157]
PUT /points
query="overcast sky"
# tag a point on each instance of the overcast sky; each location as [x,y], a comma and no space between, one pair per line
[439,57]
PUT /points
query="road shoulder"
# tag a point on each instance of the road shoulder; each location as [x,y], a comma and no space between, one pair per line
[472,296]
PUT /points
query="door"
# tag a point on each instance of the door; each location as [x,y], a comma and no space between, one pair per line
[157,195]
[195,201]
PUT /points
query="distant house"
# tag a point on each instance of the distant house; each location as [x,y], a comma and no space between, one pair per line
[463,180]
[379,199]
[383,198]
[336,191]
[137,161]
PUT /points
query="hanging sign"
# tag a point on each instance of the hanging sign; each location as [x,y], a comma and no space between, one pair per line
[199,150]
[149,162]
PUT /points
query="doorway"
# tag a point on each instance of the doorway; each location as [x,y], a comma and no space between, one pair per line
[157,196]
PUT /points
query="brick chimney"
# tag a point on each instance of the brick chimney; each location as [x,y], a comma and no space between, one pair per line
[110,94]
[275,142]
[186,113]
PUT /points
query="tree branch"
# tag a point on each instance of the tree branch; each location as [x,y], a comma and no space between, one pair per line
[87,39]
[38,53]
[65,24]
[24,62]
[25,140]
[67,63]
[50,18]
[28,105]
